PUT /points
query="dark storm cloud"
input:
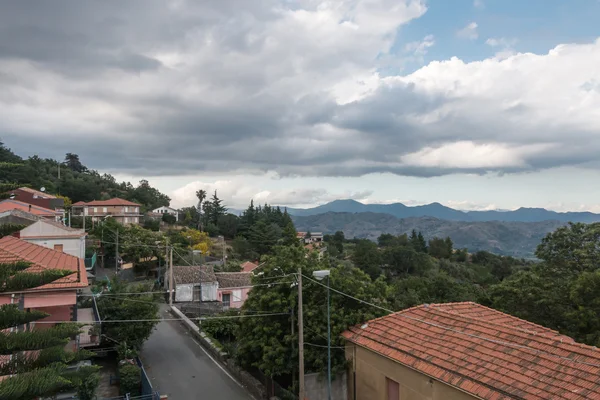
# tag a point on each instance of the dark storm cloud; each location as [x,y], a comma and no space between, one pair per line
[179,87]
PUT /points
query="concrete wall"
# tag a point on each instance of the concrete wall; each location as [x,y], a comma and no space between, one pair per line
[373,369]
[184,293]
[48,235]
[316,387]
[72,246]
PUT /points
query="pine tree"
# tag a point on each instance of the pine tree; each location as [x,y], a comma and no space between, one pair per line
[217,209]
[39,359]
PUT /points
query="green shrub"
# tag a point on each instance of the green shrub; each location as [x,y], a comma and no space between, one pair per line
[130,379]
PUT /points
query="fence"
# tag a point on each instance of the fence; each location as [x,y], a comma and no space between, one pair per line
[147,389]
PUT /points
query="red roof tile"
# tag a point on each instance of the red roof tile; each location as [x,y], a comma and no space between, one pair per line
[13,249]
[9,204]
[112,202]
[249,266]
[484,352]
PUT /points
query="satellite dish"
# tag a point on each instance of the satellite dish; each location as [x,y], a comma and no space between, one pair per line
[12,196]
[42,189]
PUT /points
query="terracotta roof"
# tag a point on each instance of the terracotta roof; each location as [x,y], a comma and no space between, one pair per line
[37,193]
[9,204]
[233,279]
[112,202]
[79,203]
[13,249]
[186,274]
[249,266]
[484,352]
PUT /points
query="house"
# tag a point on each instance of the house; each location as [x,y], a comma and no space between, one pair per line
[40,212]
[313,237]
[167,210]
[233,288]
[39,198]
[249,266]
[465,351]
[124,211]
[58,298]
[191,280]
[55,235]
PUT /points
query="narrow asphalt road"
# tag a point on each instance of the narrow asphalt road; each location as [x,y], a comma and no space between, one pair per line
[179,368]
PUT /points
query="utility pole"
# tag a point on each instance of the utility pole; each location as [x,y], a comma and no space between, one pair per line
[166,257]
[171,277]
[117,254]
[302,394]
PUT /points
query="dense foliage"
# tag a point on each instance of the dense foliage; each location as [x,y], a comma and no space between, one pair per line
[130,379]
[120,301]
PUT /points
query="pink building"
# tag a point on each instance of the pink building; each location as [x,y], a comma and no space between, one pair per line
[233,288]
[58,298]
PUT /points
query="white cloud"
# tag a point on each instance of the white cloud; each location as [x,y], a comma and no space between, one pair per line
[470,155]
[421,47]
[479,4]
[468,32]
[501,42]
[237,193]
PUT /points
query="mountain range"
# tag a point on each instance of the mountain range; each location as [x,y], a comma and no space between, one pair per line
[517,239]
[439,211]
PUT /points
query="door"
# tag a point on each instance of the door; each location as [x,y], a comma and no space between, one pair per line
[393,389]
[226,300]
[58,247]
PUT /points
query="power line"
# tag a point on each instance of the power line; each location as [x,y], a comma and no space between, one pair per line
[162,319]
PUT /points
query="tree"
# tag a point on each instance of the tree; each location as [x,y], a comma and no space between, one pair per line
[216,210]
[72,162]
[367,257]
[263,236]
[440,248]
[228,225]
[148,196]
[196,240]
[124,302]
[268,344]
[169,218]
[201,195]
[38,360]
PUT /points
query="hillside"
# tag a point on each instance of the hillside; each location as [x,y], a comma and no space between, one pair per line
[76,181]
[518,239]
[437,210]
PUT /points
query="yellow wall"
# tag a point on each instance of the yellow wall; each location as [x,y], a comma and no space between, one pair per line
[373,369]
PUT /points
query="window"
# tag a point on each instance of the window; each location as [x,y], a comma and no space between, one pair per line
[137,209]
[58,247]
[126,209]
[95,209]
[237,295]
[196,295]
[126,220]
[104,209]
[226,300]
[393,389]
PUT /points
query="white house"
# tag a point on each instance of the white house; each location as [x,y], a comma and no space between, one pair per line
[189,281]
[55,235]
[167,210]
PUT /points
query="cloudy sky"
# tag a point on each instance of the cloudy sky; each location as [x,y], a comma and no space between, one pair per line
[474,104]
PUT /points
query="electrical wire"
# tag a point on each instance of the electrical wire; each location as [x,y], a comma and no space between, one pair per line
[163,319]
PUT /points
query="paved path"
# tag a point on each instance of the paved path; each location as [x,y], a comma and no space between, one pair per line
[179,367]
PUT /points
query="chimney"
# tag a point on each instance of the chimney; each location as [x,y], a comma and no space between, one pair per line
[30,208]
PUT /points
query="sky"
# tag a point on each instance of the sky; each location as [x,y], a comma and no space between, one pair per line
[475,104]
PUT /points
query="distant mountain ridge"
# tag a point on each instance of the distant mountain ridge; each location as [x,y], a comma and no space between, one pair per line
[517,239]
[440,211]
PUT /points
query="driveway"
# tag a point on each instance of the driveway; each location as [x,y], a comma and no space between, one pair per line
[181,369]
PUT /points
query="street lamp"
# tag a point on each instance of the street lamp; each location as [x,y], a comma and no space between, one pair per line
[320,275]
